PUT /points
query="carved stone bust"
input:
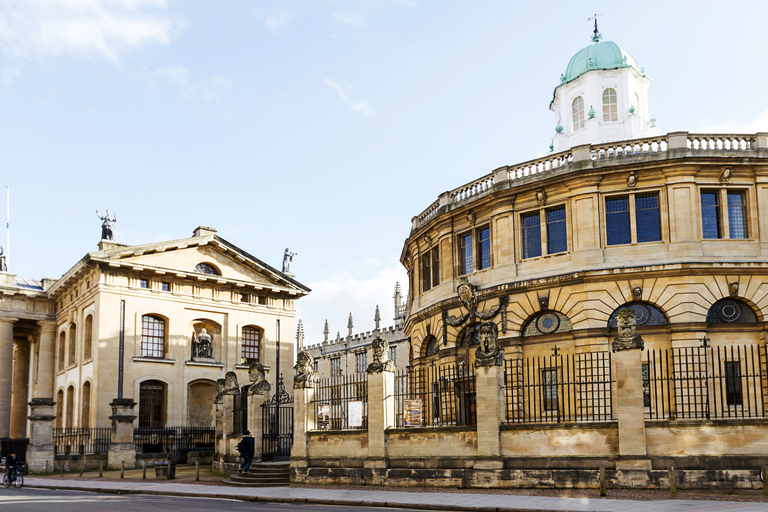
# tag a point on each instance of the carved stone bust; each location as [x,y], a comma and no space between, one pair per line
[220,384]
[488,353]
[258,378]
[628,338]
[306,376]
[230,384]
[381,362]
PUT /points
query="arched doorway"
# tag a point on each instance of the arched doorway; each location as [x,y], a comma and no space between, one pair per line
[201,394]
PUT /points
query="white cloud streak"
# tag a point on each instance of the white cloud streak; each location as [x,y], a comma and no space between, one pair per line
[352,20]
[278,21]
[92,28]
[408,4]
[759,124]
[362,107]
[190,89]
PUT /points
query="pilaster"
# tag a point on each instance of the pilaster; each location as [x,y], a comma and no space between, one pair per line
[20,393]
[122,448]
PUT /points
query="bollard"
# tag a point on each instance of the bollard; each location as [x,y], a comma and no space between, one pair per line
[62,468]
[672,484]
[122,469]
[197,471]
[602,480]
[46,468]
[764,469]
[144,470]
[82,469]
[101,469]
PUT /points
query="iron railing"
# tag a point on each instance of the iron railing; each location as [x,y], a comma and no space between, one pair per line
[705,382]
[340,399]
[84,440]
[559,388]
[434,395]
[169,439]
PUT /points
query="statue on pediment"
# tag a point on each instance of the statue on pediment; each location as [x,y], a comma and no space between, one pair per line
[108,226]
[3,260]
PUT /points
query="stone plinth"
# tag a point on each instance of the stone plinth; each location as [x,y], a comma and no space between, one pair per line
[40,448]
[304,420]
[225,427]
[489,381]
[381,416]
[255,422]
[630,411]
[122,448]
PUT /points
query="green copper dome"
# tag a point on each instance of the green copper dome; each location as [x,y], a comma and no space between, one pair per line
[598,55]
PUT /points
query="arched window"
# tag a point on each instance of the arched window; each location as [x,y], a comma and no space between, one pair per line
[88,338]
[250,349]
[62,350]
[207,268]
[645,315]
[60,409]
[731,311]
[72,344]
[547,322]
[610,105]
[70,407]
[431,346]
[85,406]
[577,108]
[152,336]
[152,404]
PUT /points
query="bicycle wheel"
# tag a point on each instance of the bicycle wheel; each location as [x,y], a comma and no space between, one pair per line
[19,481]
[7,480]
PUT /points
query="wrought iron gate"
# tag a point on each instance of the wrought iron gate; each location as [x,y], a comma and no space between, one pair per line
[277,425]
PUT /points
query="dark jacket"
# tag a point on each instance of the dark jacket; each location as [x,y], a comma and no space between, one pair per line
[246,446]
[12,462]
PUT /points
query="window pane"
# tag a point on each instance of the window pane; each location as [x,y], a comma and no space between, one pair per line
[733,383]
[426,271]
[466,254]
[549,390]
[610,107]
[152,337]
[737,215]
[531,235]
[710,215]
[647,218]
[577,109]
[435,266]
[251,345]
[617,221]
[484,249]
[557,240]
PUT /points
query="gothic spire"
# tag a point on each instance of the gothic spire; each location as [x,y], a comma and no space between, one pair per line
[326,332]
[300,337]
[377,318]
[350,325]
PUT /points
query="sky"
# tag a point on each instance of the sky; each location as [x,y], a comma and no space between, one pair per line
[321,126]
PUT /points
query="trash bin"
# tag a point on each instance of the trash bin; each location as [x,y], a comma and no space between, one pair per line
[161,470]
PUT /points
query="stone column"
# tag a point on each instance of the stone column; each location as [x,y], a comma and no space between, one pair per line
[20,390]
[630,410]
[255,422]
[489,382]
[304,420]
[40,448]
[6,374]
[381,416]
[122,447]
[227,407]
[219,429]
[45,365]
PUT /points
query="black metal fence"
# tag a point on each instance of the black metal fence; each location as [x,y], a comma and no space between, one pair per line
[705,382]
[175,442]
[277,425]
[559,388]
[68,441]
[341,402]
[434,395]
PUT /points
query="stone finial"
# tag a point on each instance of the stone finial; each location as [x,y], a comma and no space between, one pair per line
[377,318]
[350,325]
[300,336]
[326,332]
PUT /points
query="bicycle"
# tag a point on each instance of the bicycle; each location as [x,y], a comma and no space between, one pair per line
[18,478]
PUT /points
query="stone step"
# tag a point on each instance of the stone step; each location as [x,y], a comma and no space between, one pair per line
[262,475]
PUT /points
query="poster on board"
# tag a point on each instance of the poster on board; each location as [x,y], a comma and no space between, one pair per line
[355,414]
[412,412]
[324,416]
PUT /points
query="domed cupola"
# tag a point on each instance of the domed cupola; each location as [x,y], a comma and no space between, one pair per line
[601,97]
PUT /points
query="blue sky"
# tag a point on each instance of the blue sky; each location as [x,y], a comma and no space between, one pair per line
[323,126]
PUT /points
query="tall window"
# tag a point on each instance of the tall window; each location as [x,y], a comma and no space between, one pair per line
[557,239]
[431,269]
[733,383]
[610,105]
[152,404]
[466,261]
[88,338]
[249,352]
[624,225]
[393,355]
[549,390]
[531,235]
[361,361]
[713,221]
[484,248]
[335,366]
[70,421]
[152,336]
[577,108]
[62,350]
[85,406]
[72,344]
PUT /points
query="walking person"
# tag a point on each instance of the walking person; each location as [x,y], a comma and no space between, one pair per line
[246,448]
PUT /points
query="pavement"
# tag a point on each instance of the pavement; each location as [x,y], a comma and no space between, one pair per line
[481,502]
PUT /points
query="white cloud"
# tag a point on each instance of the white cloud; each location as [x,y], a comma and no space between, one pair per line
[334,299]
[406,3]
[189,88]
[358,106]
[353,20]
[279,21]
[759,124]
[10,74]
[100,28]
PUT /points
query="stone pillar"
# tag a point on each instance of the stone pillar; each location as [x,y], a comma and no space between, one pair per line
[489,382]
[45,365]
[219,430]
[6,374]
[304,420]
[381,416]
[225,420]
[122,447]
[40,448]
[20,394]
[255,422]
[630,410]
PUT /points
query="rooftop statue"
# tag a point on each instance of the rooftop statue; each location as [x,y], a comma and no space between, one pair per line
[3,260]
[108,226]
[287,259]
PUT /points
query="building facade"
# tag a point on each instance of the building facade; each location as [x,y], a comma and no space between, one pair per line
[158,323]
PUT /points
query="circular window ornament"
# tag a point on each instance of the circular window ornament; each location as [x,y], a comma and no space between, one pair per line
[548,323]
[728,311]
